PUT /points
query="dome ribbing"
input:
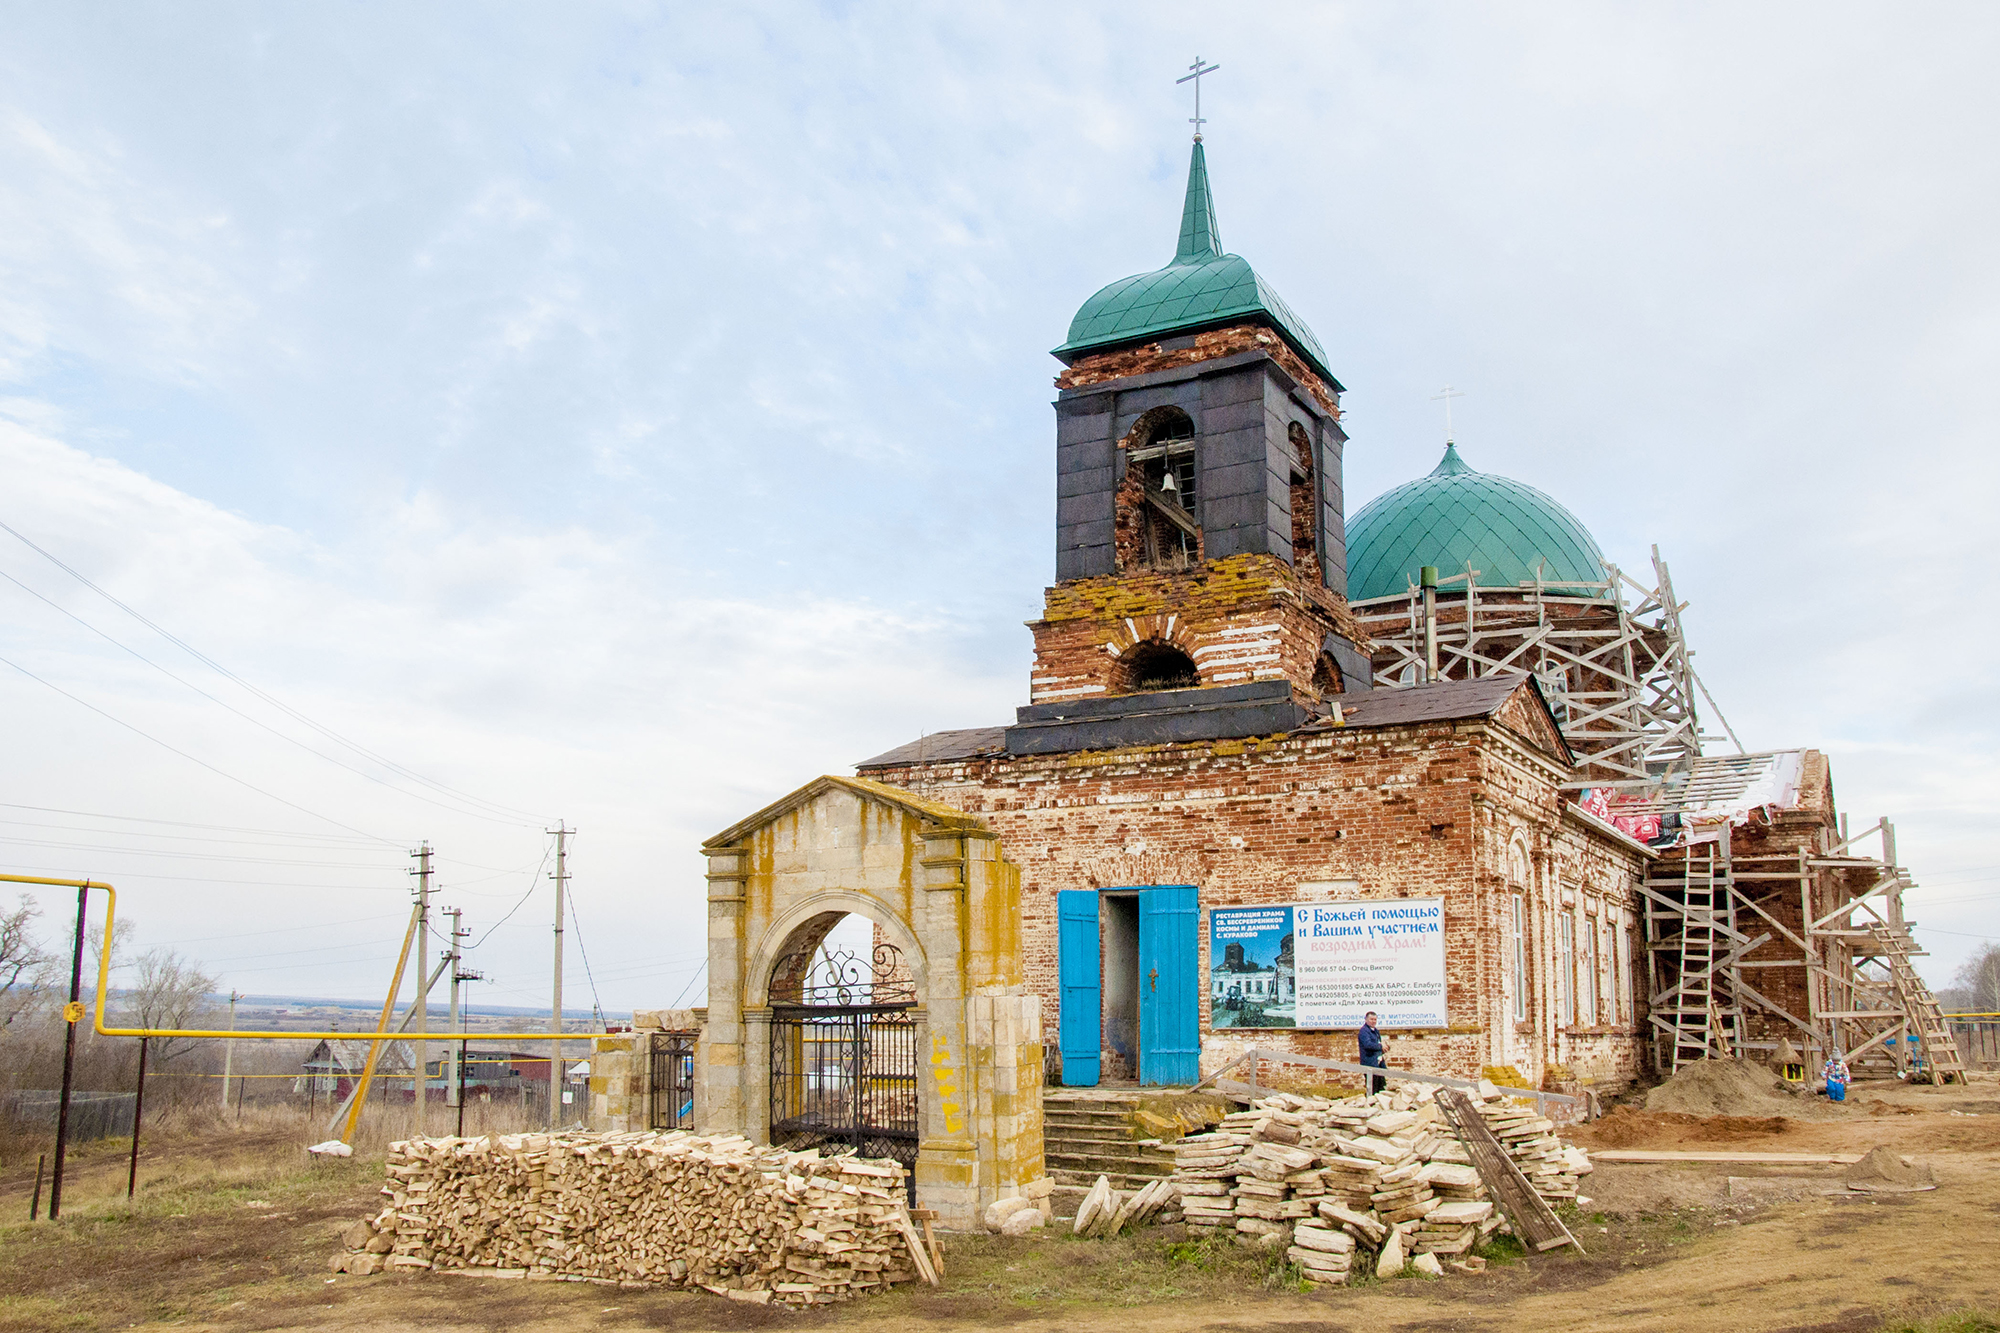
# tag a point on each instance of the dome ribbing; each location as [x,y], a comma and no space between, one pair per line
[1454,515]
[1202,288]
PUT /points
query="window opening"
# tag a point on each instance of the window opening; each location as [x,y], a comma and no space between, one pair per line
[1157,501]
[1587,971]
[1326,676]
[1305,505]
[1520,961]
[1566,968]
[1154,665]
[1624,979]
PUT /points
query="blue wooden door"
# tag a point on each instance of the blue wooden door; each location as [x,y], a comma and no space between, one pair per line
[1169,986]
[1078,969]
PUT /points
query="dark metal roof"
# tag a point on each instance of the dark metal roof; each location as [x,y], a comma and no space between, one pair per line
[1446,701]
[970,743]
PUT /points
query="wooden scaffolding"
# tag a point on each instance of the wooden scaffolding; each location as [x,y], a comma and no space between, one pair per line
[1611,657]
[1749,947]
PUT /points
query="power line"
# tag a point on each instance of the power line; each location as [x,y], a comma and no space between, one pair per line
[533,884]
[174,823]
[153,853]
[690,985]
[584,954]
[284,930]
[273,700]
[210,879]
[223,703]
[190,758]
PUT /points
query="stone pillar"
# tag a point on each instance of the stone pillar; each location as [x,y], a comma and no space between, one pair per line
[617,1087]
[947,1157]
[720,1068]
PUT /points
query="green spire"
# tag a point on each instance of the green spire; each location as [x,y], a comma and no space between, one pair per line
[1450,463]
[1200,239]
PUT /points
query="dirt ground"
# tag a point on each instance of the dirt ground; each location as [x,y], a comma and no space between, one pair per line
[233,1233]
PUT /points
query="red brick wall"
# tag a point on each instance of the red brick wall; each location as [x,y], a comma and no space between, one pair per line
[1419,811]
[1249,617]
[1152,357]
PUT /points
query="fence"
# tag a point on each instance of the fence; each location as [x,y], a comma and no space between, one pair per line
[92,1115]
[1978,1038]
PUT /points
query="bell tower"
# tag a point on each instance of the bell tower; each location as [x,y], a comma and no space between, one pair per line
[1201,560]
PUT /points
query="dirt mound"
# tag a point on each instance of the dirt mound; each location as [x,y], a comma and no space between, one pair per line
[1724,1087]
[1885,1171]
[1629,1128]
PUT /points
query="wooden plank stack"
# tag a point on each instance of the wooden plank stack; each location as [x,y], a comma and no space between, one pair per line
[1327,1179]
[754,1223]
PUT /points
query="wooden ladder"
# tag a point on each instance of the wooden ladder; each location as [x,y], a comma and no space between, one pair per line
[1938,1048]
[1534,1221]
[1695,1022]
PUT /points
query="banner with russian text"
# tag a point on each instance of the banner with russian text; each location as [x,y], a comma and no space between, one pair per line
[1324,965]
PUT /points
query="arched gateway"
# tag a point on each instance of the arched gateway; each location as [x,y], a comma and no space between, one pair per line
[934,1056]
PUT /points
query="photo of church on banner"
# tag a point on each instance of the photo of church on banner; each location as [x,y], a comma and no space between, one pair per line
[1324,965]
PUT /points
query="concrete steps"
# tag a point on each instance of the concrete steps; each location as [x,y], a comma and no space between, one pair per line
[1091,1132]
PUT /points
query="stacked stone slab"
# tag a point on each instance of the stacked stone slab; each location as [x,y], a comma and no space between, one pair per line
[1327,1179]
[674,1208]
[1550,1165]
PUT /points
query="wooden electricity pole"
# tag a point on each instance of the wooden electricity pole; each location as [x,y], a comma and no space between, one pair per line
[562,832]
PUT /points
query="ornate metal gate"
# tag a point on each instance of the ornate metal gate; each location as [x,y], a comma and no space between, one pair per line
[671,1078]
[844,1055]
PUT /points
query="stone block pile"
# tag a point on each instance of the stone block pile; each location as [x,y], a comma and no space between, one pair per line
[1382,1175]
[753,1223]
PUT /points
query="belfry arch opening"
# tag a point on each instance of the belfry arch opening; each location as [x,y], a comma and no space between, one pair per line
[1155,665]
[1156,523]
[1305,506]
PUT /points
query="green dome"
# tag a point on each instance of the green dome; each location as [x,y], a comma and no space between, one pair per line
[1456,515]
[1201,289]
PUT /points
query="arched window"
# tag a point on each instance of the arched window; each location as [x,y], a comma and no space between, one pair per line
[1326,676]
[1517,930]
[1305,505]
[1154,665]
[1156,526]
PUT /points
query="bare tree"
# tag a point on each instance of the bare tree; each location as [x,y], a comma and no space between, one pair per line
[1978,981]
[26,968]
[169,991]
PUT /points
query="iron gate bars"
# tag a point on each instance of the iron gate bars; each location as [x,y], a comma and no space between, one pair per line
[671,1081]
[846,1075]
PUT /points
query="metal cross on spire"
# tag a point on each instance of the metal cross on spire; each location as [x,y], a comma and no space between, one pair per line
[1197,70]
[1445,395]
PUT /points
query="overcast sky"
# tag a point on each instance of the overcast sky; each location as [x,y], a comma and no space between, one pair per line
[625,413]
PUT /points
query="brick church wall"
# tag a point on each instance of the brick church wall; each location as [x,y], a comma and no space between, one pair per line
[1414,811]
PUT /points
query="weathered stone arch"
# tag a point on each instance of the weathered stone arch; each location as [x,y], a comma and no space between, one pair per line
[785,933]
[935,882]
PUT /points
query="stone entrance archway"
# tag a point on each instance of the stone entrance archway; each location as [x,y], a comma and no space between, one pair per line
[934,882]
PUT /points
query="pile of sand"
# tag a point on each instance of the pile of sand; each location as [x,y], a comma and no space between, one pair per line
[1627,1128]
[1725,1087]
[1884,1171]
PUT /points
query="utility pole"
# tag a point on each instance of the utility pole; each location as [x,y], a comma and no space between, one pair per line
[72,1015]
[562,832]
[423,872]
[455,1090]
[229,1049]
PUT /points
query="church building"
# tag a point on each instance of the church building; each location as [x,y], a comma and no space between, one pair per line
[1277,770]
[1227,834]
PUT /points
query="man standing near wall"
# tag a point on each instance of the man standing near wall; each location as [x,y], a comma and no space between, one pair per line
[1371,1050]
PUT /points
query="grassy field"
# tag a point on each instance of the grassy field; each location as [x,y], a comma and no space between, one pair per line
[233,1227]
